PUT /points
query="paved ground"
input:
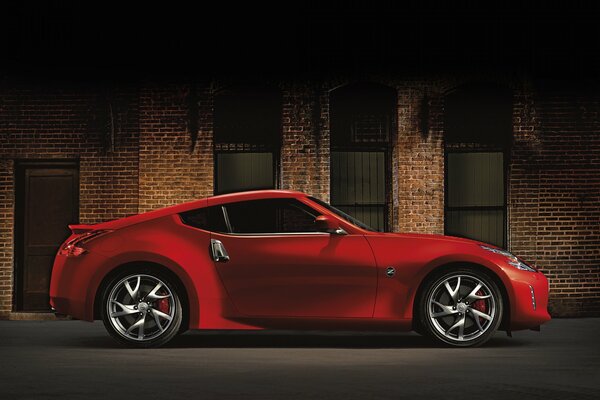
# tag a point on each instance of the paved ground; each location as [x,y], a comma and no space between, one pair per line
[73,359]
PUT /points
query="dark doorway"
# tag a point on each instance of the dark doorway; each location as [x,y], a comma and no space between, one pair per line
[47,200]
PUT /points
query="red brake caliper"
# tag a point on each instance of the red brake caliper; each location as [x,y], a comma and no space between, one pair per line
[480,305]
[163,305]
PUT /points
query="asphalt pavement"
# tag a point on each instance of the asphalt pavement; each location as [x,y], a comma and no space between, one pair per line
[74,359]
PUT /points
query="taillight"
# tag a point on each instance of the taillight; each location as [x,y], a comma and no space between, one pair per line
[72,247]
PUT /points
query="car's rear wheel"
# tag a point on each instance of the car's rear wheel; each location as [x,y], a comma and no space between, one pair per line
[462,307]
[141,308]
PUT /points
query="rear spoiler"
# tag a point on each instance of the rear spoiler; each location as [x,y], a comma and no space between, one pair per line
[79,229]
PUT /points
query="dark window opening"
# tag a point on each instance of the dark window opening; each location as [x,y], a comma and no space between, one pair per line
[358,185]
[479,114]
[247,132]
[271,216]
[363,123]
[240,171]
[208,219]
[478,125]
[475,199]
[248,115]
[362,113]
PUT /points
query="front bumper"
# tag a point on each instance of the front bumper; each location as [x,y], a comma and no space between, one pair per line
[529,306]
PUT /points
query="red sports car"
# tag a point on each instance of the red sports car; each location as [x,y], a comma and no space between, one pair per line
[281,259]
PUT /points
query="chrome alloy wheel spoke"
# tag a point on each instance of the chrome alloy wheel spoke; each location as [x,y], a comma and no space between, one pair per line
[153,296]
[161,314]
[460,324]
[139,325]
[446,310]
[476,314]
[475,319]
[126,309]
[157,320]
[134,293]
[453,292]
[473,296]
[481,314]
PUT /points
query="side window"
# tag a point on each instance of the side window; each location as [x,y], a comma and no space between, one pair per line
[209,219]
[271,216]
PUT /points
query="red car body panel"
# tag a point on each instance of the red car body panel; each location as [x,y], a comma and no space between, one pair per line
[309,275]
[284,280]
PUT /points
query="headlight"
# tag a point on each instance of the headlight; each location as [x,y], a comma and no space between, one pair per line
[514,260]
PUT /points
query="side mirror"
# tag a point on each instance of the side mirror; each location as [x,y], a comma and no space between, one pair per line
[325,223]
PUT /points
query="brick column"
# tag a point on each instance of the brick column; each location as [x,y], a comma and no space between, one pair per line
[418,164]
[305,141]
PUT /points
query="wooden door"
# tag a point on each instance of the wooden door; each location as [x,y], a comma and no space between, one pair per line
[47,196]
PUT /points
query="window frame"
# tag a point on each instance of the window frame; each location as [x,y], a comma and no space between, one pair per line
[340,144]
[267,144]
[387,161]
[291,199]
[504,207]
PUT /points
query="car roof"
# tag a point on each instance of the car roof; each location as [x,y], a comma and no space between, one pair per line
[253,195]
[208,201]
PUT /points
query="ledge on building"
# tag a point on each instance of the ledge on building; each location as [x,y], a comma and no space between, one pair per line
[34,316]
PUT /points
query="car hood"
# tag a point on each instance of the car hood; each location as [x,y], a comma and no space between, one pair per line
[434,237]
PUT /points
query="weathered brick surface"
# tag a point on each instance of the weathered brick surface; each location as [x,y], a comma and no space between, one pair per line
[171,171]
[418,163]
[554,167]
[305,141]
[555,195]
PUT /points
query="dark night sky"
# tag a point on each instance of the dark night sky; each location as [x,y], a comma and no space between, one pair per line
[59,39]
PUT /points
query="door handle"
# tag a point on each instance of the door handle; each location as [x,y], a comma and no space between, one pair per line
[219,254]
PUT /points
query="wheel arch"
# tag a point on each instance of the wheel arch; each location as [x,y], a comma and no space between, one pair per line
[189,297]
[448,266]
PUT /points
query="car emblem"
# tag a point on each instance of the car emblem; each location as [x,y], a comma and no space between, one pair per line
[390,271]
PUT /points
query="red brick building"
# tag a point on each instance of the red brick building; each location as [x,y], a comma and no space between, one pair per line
[507,161]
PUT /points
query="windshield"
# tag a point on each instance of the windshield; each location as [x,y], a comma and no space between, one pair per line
[342,214]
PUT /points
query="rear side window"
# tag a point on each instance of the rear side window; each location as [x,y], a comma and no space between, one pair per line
[271,216]
[208,219]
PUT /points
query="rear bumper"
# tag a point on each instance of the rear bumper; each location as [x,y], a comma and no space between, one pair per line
[529,308]
[63,306]
[70,285]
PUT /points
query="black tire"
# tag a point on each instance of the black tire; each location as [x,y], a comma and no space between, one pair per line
[436,317]
[163,329]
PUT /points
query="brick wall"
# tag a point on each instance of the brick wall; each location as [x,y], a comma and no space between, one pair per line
[171,169]
[158,158]
[555,195]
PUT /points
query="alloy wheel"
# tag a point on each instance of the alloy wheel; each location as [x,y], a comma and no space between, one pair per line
[141,307]
[461,308]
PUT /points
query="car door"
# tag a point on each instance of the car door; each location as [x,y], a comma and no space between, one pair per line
[279,266]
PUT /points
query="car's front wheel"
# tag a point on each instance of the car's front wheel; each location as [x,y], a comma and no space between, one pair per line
[141,308]
[462,307]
